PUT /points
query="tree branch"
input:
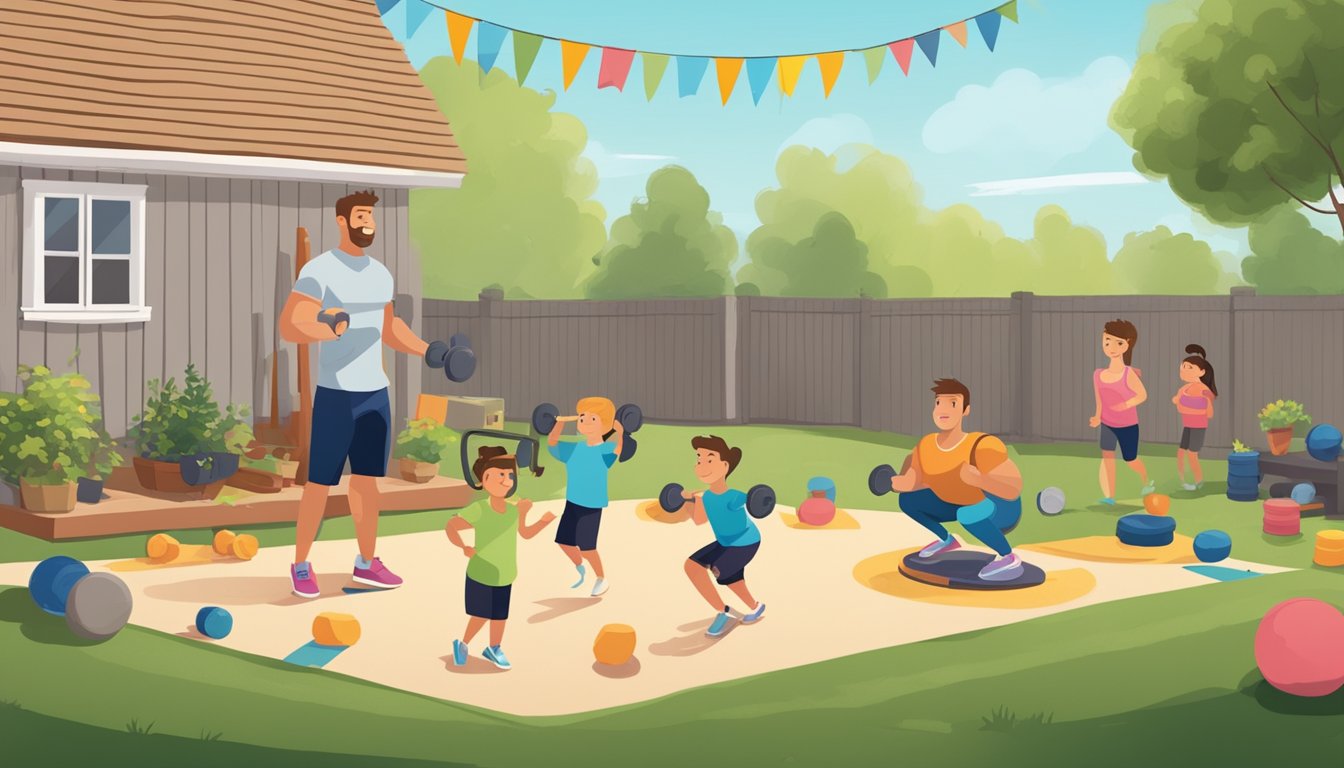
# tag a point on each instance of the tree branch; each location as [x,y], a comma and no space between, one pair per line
[1324,148]
[1329,151]
[1304,203]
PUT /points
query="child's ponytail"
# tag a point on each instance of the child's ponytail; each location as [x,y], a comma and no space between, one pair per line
[1197,358]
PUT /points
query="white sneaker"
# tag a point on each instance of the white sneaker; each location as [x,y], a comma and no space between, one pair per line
[1190,486]
[600,588]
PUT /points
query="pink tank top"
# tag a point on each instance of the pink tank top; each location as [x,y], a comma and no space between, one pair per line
[1112,395]
[1198,420]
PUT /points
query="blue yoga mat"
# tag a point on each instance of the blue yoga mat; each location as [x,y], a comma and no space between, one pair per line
[1222,572]
[314,654]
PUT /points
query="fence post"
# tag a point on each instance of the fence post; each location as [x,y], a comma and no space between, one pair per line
[866,362]
[1026,366]
[729,309]
[1231,391]
[487,299]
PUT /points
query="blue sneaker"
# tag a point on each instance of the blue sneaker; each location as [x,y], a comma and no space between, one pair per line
[754,616]
[583,574]
[459,653]
[1108,501]
[719,626]
[495,655]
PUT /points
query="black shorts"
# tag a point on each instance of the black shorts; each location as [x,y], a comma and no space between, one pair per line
[487,602]
[729,564]
[349,425]
[1192,439]
[578,527]
[1126,438]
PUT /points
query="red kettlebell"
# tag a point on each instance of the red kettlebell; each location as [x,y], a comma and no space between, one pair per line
[817,510]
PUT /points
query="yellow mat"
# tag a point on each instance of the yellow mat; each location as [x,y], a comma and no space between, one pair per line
[881,573]
[843,521]
[651,512]
[1108,549]
[188,554]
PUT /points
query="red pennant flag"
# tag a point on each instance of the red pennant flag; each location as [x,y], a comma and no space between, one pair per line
[903,50]
[615,68]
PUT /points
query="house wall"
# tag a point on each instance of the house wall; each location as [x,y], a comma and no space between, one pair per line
[219,263]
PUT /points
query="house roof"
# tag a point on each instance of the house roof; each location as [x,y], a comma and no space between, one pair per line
[320,83]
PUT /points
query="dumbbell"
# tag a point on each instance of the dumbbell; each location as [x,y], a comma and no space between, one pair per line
[335,318]
[453,356]
[760,499]
[879,480]
[631,417]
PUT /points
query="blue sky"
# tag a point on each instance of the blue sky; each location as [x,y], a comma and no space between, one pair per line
[989,129]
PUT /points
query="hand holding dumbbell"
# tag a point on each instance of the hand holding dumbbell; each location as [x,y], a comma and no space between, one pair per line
[453,356]
[629,418]
[760,499]
[335,318]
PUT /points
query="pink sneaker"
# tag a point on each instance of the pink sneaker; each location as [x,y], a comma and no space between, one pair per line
[377,575]
[939,548]
[301,575]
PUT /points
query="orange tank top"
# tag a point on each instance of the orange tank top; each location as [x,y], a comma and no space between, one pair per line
[940,468]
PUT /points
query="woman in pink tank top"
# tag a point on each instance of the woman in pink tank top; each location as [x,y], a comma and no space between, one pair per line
[1119,392]
[1194,401]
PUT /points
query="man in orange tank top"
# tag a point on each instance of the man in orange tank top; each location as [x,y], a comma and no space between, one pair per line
[966,477]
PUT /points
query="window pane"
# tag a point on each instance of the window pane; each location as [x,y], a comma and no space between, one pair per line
[62,224]
[111,281]
[111,226]
[62,279]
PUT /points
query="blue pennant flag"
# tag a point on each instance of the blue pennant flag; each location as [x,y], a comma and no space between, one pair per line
[690,71]
[416,12]
[489,39]
[988,23]
[386,5]
[928,43]
[759,72]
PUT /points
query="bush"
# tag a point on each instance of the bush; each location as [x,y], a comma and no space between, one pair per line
[54,431]
[187,421]
[1283,414]
[424,440]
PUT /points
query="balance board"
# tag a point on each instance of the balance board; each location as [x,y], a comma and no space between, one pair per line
[960,570]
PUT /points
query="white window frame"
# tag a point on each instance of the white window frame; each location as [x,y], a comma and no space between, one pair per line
[34,305]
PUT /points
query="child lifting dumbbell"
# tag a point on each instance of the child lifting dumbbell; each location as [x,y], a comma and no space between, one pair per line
[492,566]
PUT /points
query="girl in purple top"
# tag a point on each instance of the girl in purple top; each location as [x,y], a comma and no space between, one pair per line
[1118,392]
[1194,401]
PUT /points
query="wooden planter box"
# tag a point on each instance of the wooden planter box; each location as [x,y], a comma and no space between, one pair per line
[47,498]
[165,477]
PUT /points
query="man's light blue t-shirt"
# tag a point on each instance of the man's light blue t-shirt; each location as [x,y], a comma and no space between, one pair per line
[727,513]
[586,471]
[361,286]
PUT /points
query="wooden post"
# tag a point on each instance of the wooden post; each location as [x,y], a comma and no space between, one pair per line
[304,425]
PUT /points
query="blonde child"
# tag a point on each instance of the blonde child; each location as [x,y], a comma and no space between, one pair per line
[587,463]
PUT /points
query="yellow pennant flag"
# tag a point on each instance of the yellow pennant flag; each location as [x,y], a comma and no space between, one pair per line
[830,69]
[790,67]
[572,55]
[958,32]
[727,70]
[459,29]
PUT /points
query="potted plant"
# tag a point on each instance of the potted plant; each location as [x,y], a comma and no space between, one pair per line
[1278,419]
[180,436]
[105,459]
[52,432]
[420,447]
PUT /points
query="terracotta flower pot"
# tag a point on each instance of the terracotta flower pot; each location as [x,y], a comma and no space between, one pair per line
[47,498]
[414,471]
[1279,440]
[162,476]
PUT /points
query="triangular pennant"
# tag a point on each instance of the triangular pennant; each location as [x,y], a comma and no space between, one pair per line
[386,5]
[928,43]
[615,68]
[874,57]
[572,55]
[459,29]
[525,47]
[758,75]
[489,39]
[1009,11]
[655,64]
[690,71]
[790,67]
[727,70]
[989,27]
[416,13]
[830,69]
[958,32]
[902,50]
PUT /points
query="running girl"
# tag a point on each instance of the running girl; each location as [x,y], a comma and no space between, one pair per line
[1118,392]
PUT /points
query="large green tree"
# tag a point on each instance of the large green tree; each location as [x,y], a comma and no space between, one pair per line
[1162,262]
[1292,257]
[1240,105]
[524,219]
[831,262]
[670,245]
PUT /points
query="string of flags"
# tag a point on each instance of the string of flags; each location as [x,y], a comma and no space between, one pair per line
[615,65]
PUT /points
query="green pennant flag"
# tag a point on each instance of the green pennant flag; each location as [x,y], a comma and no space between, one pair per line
[655,64]
[525,49]
[1009,11]
[874,57]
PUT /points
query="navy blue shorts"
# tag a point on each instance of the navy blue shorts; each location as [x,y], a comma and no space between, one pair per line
[349,425]
[487,602]
[729,564]
[578,527]
[1127,438]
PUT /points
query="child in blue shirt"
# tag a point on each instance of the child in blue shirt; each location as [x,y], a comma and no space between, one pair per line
[587,463]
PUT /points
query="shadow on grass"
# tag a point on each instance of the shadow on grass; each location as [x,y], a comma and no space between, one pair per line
[1270,698]
[16,607]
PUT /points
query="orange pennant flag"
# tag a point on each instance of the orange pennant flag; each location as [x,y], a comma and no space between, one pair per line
[790,67]
[727,70]
[572,55]
[459,29]
[958,32]
[830,69]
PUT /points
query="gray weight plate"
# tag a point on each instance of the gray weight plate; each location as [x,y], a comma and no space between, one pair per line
[760,501]
[879,480]
[99,606]
[670,498]
[631,417]
[543,418]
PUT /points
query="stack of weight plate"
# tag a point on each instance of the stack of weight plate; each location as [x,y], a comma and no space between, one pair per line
[1329,549]
[1140,530]
[1283,517]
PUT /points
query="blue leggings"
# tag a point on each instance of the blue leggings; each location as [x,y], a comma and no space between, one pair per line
[985,520]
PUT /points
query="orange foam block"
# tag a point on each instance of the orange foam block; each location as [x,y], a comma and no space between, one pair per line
[335,629]
[615,644]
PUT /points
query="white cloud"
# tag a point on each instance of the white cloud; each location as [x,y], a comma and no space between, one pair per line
[614,165]
[1022,113]
[1037,184]
[830,133]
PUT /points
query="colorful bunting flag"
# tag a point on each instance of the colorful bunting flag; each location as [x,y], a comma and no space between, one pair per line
[1008,11]
[989,27]
[727,70]
[571,58]
[655,64]
[690,71]
[958,32]
[489,40]
[928,43]
[416,13]
[874,57]
[615,68]
[790,67]
[525,47]
[386,5]
[903,50]
[830,70]
[459,29]
[758,75]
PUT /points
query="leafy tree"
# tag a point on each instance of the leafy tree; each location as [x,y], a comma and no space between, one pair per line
[1293,257]
[669,245]
[524,219]
[1160,262]
[1241,107]
[831,262]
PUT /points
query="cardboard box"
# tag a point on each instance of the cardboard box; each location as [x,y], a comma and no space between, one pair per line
[475,413]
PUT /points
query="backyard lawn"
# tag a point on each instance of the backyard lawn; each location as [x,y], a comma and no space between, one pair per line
[1170,674]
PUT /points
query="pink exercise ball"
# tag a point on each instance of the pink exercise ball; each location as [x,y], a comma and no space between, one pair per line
[1299,647]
